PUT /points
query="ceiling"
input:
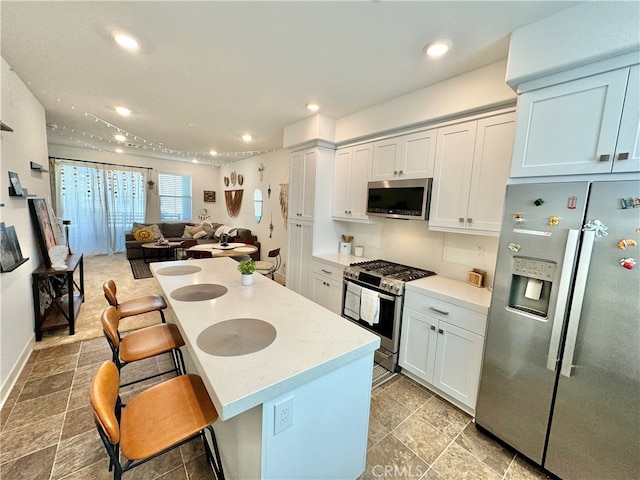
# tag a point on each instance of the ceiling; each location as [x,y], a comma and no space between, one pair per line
[209,72]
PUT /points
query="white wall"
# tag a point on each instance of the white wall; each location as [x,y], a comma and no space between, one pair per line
[28,142]
[583,34]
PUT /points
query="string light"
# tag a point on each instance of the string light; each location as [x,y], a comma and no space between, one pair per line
[221,158]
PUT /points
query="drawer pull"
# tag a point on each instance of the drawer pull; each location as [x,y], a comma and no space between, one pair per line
[433,327]
[438,311]
[326,271]
[440,330]
[604,158]
[623,156]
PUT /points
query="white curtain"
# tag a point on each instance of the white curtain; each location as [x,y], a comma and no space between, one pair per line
[101,200]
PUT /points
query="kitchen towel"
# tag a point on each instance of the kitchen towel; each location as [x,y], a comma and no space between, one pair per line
[369,306]
[352,301]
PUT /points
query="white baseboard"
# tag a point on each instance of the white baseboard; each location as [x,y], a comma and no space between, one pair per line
[5,390]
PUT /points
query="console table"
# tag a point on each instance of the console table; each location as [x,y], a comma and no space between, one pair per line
[58,295]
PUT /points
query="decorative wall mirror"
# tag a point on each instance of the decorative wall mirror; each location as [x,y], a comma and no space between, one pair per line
[257,204]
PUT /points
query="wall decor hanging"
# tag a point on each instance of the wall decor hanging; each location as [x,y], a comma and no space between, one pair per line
[233,178]
[210,196]
[284,202]
[226,181]
[233,199]
[240,179]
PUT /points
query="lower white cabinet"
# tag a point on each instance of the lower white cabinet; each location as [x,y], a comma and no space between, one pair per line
[436,349]
[326,286]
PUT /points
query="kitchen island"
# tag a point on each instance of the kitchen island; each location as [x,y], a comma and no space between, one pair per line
[297,405]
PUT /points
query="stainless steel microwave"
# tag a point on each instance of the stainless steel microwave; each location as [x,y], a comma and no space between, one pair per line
[405,199]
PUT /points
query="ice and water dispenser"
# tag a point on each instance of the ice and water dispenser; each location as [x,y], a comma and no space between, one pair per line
[531,282]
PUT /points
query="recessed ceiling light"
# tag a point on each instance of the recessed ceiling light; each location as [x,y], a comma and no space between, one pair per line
[437,48]
[124,111]
[195,160]
[314,107]
[246,137]
[213,153]
[119,137]
[119,150]
[126,41]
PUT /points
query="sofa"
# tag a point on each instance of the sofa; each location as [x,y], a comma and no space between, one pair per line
[179,231]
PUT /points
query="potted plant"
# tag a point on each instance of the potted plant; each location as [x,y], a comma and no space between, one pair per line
[246,268]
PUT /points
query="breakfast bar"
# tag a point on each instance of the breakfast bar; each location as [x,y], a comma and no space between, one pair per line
[291,380]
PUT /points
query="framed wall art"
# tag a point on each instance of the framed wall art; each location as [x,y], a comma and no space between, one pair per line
[210,196]
[10,252]
[42,224]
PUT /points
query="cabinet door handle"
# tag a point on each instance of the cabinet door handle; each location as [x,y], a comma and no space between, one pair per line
[349,212]
[399,172]
[461,219]
[326,271]
[395,172]
[623,156]
[433,327]
[438,311]
[469,220]
[605,158]
[440,330]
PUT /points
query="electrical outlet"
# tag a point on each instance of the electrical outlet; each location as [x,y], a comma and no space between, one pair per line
[479,251]
[283,415]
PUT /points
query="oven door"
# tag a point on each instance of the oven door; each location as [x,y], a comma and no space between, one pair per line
[388,327]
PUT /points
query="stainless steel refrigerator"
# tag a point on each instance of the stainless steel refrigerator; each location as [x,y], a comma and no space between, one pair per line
[561,374]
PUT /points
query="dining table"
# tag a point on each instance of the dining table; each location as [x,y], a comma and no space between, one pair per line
[234,249]
[291,380]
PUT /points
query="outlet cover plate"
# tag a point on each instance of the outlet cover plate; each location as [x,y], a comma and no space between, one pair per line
[282,415]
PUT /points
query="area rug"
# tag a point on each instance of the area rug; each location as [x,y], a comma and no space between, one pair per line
[140,268]
[380,375]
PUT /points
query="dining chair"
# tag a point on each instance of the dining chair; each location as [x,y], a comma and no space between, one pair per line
[155,421]
[269,268]
[134,306]
[142,344]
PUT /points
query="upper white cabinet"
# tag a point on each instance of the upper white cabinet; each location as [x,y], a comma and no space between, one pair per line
[404,157]
[585,126]
[471,171]
[302,184]
[350,177]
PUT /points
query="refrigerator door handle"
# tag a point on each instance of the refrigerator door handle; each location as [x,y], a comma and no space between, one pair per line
[563,294]
[576,303]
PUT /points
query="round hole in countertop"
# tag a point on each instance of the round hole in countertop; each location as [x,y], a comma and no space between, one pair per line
[237,336]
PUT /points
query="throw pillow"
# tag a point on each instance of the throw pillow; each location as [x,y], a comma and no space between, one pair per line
[195,230]
[187,232]
[142,235]
[200,234]
[225,229]
[155,231]
[208,228]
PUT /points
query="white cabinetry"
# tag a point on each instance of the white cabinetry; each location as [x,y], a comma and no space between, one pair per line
[350,177]
[302,186]
[585,126]
[327,286]
[300,251]
[404,157]
[442,344]
[471,170]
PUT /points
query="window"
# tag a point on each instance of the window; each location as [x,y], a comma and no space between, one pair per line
[175,197]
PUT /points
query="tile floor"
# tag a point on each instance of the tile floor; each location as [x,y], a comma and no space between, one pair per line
[47,429]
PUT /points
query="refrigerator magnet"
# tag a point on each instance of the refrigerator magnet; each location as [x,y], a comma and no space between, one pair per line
[518,221]
[597,226]
[622,244]
[514,247]
[554,221]
[571,203]
[538,202]
[628,263]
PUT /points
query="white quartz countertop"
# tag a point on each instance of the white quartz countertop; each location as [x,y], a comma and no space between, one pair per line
[452,291]
[338,259]
[310,340]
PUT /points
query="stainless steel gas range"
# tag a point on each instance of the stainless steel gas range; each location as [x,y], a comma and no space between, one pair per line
[380,283]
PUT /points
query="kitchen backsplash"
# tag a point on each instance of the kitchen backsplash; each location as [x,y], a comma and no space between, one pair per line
[412,243]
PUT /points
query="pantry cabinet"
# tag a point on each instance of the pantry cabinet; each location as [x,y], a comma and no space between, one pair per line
[327,286]
[351,175]
[585,126]
[471,170]
[302,184]
[404,157]
[442,345]
[299,257]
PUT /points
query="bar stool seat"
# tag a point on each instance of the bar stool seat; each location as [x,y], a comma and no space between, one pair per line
[142,344]
[134,306]
[155,421]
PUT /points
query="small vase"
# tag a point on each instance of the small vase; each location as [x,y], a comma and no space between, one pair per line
[247,279]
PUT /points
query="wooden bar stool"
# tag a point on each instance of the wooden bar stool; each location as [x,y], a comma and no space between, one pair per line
[143,343]
[134,306]
[154,422]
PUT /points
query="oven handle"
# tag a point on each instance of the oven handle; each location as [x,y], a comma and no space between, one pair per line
[381,295]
